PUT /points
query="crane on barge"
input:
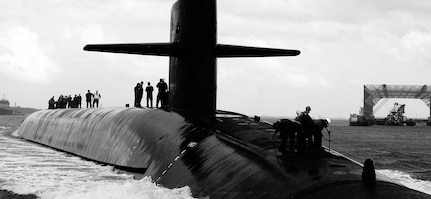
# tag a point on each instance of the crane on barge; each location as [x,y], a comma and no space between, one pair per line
[396,116]
[373,93]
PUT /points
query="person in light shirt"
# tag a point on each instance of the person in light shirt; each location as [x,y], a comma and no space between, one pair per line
[96,98]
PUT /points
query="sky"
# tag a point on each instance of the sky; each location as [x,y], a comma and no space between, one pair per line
[344,45]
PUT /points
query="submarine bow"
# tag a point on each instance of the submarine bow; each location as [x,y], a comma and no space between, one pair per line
[175,152]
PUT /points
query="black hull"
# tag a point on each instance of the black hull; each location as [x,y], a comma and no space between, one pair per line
[231,157]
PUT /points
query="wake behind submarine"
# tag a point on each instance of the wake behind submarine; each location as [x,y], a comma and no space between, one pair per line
[216,153]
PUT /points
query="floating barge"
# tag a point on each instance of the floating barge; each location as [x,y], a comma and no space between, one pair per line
[360,120]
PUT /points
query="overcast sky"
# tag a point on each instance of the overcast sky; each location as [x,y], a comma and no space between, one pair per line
[344,44]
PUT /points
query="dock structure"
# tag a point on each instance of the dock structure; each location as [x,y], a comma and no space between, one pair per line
[373,93]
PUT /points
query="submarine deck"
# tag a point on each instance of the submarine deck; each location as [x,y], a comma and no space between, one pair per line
[317,168]
[322,174]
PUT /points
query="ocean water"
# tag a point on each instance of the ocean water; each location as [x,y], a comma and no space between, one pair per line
[401,153]
[29,168]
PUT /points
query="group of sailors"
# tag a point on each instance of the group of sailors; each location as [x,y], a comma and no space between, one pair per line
[306,131]
[162,95]
[67,101]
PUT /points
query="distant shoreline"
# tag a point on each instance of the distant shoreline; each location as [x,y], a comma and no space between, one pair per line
[11,195]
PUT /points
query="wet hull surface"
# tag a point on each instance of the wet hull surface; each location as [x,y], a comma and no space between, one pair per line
[231,157]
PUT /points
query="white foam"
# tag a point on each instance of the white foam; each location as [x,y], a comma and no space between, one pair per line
[15,133]
[28,168]
[144,188]
[407,180]
[5,129]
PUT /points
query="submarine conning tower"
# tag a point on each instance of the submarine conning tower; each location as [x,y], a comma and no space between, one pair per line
[193,51]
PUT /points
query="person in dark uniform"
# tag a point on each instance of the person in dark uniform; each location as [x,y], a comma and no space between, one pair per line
[61,102]
[88,97]
[313,129]
[138,95]
[69,101]
[73,102]
[51,103]
[141,93]
[308,126]
[78,101]
[317,136]
[162,95]
[289,129]
[149,90]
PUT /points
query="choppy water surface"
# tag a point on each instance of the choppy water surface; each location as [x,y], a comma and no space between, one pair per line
[28,168]
[402,153]
[404,148]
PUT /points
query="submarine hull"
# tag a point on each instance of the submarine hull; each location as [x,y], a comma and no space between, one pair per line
[233,157]
[156,143]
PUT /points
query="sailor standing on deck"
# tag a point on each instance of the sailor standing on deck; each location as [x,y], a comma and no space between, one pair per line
[96,97]
[308,126]
[149,89]
[88,97]
[69,101]
[79,101]
[162,95]
[138,95]
[51,103]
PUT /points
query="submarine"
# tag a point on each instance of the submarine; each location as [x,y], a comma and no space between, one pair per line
[218,154]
